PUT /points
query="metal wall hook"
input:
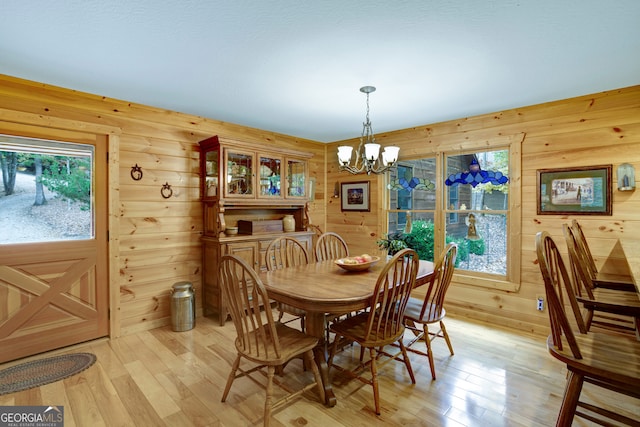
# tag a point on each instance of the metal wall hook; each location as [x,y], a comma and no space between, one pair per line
[136,172]
[166,190]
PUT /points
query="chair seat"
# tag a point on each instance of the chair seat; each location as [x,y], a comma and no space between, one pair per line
[609,357]
[292,343]
[354,328]
[614,301]
[622,282]
[431,313]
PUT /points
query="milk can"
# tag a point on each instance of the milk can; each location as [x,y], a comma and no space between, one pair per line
[183,307]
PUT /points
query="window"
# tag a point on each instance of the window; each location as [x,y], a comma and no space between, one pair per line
[46,192]
[481,232]
[412,203]
[403,199]
[476,217]
[453,204]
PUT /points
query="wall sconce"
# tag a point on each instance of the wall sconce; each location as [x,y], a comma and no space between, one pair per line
[626,177]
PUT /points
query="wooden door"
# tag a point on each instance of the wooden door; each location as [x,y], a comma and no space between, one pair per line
[54,294]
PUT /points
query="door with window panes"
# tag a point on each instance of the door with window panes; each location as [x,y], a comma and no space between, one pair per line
[53,244]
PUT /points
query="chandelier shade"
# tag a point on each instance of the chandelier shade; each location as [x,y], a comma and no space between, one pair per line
[368,158]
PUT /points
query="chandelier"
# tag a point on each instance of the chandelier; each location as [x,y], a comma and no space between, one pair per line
[368,158]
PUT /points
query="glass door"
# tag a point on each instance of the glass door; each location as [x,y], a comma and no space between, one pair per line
[211,174]
[239,174]
[296,178]
[270,176]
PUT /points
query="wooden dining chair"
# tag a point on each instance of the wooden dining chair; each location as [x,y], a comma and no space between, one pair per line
[285,252]
[260,339]
[431,310]
[610,361]
[598,278]
[612,309]
[382,323]
[330,246]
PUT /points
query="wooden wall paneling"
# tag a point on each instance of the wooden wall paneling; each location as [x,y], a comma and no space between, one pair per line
[593,129]
[151,224]
[181,191]
[148,234]
[140,144]
[136,259]
[162,208]
[583,130]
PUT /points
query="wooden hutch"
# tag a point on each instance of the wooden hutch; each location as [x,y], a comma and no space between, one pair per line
[251,187]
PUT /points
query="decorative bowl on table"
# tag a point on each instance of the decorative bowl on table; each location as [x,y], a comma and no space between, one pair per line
[357,263]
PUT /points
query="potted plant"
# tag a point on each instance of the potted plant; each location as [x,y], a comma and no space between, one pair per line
[420,239]
[393,243]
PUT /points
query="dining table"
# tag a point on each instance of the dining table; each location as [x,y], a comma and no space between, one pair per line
[325,288]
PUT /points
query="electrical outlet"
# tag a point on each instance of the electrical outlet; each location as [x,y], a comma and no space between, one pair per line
[540,303]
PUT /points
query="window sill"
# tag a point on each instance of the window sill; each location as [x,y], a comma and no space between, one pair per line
[487,281]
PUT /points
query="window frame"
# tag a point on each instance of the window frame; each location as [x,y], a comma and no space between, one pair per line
[60,148]
[510,281]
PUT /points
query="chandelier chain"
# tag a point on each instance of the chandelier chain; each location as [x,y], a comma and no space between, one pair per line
[367,130]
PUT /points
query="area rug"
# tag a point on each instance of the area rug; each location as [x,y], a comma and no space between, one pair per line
[43,371]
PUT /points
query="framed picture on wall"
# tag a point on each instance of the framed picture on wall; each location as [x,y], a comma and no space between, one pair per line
[574,191]
[355,196]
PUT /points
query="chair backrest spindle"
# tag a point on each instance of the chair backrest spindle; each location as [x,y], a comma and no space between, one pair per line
[285,252]
[583,247]
[331,246]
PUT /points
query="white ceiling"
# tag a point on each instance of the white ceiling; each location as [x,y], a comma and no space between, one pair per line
[296,66]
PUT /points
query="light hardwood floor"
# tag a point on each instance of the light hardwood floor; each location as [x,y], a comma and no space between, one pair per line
[159,377]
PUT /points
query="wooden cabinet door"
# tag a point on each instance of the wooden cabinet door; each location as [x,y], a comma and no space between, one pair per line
[296,178]
[247,251]
[270,175]
[240,174]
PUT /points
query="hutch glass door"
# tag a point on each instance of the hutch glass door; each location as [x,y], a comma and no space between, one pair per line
[240,174]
